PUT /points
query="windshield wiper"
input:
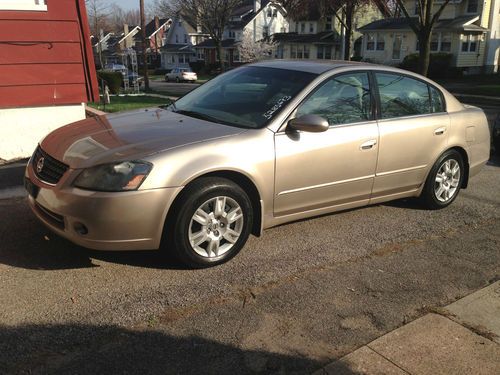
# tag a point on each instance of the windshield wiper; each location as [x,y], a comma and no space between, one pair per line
[202,116]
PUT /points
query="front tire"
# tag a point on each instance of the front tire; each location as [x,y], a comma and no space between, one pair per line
[444,181]
[211,224]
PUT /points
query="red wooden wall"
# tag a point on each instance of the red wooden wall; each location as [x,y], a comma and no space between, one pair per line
[46,57]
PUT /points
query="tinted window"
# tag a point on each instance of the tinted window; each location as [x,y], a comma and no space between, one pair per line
[342,99]
[402,96]
[436,100]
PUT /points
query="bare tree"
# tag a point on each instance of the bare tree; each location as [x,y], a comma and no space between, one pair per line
[145,45]
[98,13]
[165,8]
[118,17]
[212,16]
[422,26]
[251,50]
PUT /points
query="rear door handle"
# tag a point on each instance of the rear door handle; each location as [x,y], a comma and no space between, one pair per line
[368,144]
[440,131]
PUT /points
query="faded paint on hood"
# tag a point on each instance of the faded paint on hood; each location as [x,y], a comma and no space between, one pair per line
[132,135]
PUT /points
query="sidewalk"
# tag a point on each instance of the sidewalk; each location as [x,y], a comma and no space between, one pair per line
[462,338]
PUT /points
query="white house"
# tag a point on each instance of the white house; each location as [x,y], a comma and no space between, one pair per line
[258,18]
[177,50]
[467,29]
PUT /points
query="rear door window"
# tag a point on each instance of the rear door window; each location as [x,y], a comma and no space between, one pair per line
[402,96]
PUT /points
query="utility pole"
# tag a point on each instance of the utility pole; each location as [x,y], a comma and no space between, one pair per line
[144,47]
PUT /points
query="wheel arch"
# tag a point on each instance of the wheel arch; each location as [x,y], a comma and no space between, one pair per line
[239,179]
[465,159]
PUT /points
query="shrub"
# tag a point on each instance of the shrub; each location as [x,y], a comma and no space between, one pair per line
[439,66]
[197,66]
[161,71]
[114,80]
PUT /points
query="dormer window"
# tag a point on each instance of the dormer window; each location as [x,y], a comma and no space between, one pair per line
[472,6]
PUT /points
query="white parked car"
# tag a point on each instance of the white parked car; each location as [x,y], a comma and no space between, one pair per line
[181,74]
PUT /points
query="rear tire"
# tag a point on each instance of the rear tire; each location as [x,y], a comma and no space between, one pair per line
[211,222]
[444,181]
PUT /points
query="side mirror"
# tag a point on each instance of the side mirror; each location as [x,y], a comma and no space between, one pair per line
[309,123]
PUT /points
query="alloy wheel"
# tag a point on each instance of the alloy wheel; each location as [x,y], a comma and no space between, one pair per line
[215,227]
[447,180]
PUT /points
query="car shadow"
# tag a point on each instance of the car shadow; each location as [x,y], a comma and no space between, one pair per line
[91,349]
[26,243]
[494,159]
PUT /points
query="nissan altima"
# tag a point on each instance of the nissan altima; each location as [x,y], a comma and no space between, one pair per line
[256,147]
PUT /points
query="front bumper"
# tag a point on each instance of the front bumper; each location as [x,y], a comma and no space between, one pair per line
[103,221]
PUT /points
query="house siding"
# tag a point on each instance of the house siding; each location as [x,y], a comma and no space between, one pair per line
[256,26]
[46,72]
[46,57]
[470,59]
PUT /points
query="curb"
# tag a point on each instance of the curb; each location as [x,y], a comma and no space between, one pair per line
[454,339]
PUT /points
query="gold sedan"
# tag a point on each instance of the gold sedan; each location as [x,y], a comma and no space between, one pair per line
[256,147]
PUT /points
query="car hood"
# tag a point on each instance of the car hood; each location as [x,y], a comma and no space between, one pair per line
[132,135]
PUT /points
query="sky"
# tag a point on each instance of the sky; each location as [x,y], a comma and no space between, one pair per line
[131,4]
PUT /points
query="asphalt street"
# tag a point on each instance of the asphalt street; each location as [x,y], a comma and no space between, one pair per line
[173,88]
[293,300]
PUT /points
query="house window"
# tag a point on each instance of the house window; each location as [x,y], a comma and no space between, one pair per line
[303,28]
[324,52]
[280,52]
[269,12]
[472,6]
[435,42]
[469,43]
[176,38]
[311,27]
[299,51]
[440,42]
[380,42]
[328,24]
[36,5]
[275,13]
[185,38]
[445,42]
[375,42]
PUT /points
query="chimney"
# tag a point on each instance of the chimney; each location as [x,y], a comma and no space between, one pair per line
[256,5]
[125,33]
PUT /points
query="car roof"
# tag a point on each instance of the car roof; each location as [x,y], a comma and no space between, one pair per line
[309,66]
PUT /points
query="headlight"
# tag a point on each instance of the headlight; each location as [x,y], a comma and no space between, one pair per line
[122,176]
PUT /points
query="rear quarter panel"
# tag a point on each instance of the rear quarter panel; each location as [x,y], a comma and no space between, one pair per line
[469,129]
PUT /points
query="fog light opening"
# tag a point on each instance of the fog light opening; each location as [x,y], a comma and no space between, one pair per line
[80,228]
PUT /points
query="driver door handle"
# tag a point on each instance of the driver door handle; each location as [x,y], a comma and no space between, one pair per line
[368,144]
[440,131]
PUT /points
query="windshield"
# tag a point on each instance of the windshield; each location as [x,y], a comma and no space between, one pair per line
[247,97]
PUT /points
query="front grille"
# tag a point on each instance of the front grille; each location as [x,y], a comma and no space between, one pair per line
[46,167]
